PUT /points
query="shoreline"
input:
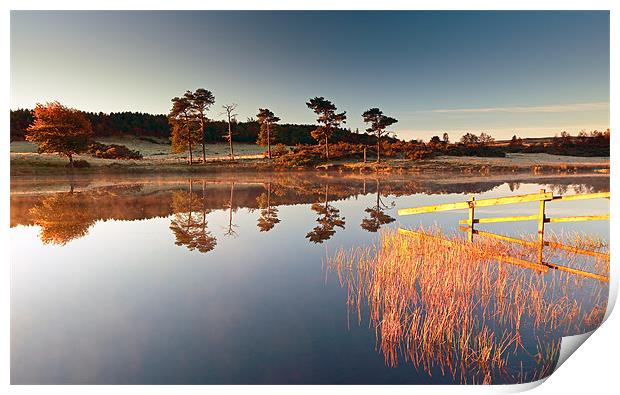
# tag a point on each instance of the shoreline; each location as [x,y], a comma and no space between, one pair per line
[45,184]
[29,165]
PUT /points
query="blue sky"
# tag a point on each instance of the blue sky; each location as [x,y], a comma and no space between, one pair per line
[529,73]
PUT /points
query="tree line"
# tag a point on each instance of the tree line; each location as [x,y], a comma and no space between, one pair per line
[189,126]
[103,125]
[150,125]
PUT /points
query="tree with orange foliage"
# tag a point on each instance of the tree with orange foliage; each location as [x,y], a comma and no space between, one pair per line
[59,129]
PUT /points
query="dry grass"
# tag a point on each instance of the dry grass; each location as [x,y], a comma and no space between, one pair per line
[525,159]
[158,158]
[156,149]
[455,310]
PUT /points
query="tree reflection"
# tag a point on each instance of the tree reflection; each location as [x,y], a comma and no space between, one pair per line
[63,217]
[376,215]
[268,215]
[230,231]
[68,215]
[189,222]
[328,219]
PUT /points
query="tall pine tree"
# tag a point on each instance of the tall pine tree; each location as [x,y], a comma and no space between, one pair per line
[267,121]
[328,120]
[378,123]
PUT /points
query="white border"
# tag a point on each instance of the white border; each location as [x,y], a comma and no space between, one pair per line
[592,371]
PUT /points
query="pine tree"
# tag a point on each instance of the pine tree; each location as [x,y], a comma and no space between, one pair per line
[378,124]
[267,121]
[200,101]
[328,120]
[186,130]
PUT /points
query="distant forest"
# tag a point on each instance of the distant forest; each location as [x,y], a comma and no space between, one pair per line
[595,143]
[142,124]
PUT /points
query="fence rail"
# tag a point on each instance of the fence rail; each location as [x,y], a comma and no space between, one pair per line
[542,198]
[535,217]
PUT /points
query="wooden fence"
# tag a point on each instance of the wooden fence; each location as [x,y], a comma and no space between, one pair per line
[542,197]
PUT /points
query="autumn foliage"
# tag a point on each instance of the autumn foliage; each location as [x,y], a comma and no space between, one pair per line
[59,129]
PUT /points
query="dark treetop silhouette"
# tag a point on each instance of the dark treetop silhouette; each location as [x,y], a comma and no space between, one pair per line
[378,123]
[328,120]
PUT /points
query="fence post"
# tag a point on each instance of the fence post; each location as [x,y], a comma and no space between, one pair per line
[541,228]
[470,222]
[364,154]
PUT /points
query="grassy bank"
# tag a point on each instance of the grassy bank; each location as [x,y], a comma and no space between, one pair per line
[249,158]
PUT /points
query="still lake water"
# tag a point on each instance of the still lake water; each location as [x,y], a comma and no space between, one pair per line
[222,279]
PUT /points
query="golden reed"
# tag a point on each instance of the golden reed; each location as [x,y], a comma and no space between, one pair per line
[455,310]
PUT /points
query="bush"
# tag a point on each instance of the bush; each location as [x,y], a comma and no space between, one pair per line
[113,151]
[341,150]
[300,156]
[279,150]
[421,153]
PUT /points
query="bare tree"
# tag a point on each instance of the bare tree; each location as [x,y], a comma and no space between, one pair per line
[229,111]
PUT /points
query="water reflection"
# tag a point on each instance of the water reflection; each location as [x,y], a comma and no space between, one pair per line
[268,214]
[65,216]
[142,317]
[462,312]
[230,230]
[189,221]
[329,218]
[376,214]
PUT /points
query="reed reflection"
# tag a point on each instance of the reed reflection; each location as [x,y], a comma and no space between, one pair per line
[457,311]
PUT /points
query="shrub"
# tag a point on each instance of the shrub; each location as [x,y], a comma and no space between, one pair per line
[420,153]
[300,156]
[113,151]
[279,150]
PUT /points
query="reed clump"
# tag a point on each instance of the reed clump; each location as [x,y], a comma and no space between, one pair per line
[454,309]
